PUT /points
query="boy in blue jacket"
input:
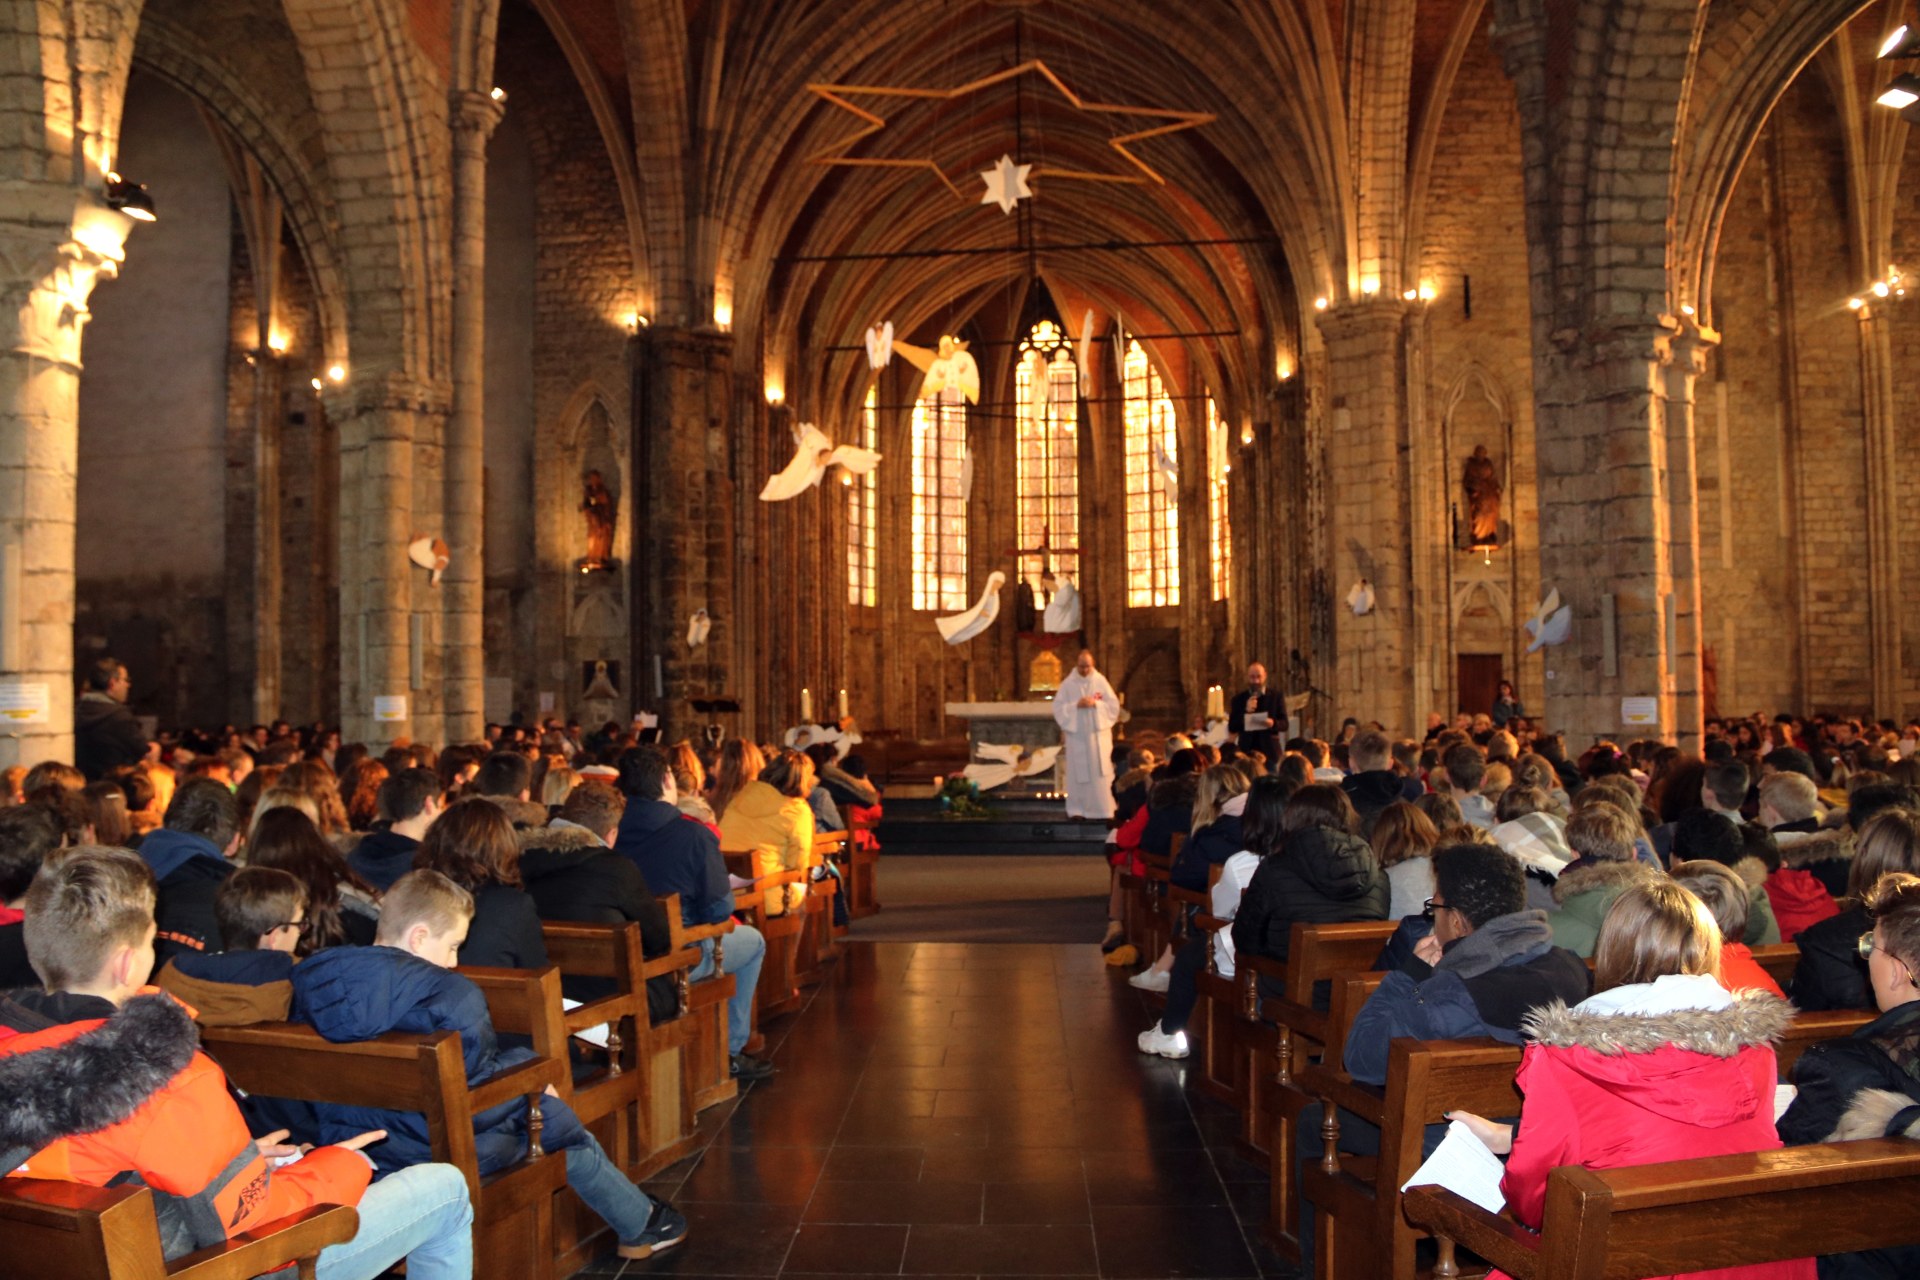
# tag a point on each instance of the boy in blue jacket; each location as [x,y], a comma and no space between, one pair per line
[405,982]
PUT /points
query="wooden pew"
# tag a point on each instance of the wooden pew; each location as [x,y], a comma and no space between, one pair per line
[512,1209]
[861,873]
[701,1029]
[1779,961]
[66,1231]
[778,991]
[1692,1215]
[1360,1231]
[816,948]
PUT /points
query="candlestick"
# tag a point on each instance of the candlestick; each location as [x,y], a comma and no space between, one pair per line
[843,704]
[806,706]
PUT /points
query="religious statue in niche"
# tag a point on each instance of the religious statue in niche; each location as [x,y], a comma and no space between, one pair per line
[1481,482]
[600,690]
[598,504]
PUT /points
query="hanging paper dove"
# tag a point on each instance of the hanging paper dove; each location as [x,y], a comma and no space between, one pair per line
[880,345]
[1001,765]
[430,554]
[961,627]
[1083,353]
[1360,599]
[1169,472]
[697,628]
[948,369]
[813,454]
[1551,623]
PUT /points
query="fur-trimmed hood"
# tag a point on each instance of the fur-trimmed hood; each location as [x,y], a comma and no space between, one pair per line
[1750,1018]
[524,814]
[94,1079]
[1803,848]
[1752,871]
[560,838]
[1878,1113]
[1614,876]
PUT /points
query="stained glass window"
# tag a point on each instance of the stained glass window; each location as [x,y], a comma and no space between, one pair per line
[939,502]
[1153,512]
[863,517]
[1047,476]
[1219,518]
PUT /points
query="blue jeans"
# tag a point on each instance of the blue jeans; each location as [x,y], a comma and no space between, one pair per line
[421,1214]
[606,1190]
[742,954]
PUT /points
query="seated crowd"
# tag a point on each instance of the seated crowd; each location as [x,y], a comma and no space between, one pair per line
[1599,911]
[279,876]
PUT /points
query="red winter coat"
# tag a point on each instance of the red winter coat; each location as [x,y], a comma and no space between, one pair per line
[1799,899]
[1644,1083]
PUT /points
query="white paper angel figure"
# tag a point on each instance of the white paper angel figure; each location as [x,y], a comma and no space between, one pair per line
[1169,472]
[1000,765]
[1551,623]
[697,628]
[1360,598]
[1083,353]
[880,345]
[430,554]
[813,453]
[1063,611]
[959,628]
[949,368]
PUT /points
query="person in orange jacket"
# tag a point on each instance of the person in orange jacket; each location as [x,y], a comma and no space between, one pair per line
[101,1079]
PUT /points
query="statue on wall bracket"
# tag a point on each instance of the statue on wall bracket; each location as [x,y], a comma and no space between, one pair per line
[600,508]
[1482,530]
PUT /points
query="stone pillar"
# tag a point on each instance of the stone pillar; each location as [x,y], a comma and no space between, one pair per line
[1885,595]
[1369,526]
[56,242]
[1687,361]
[475,116]
[1607,448]
[684,540]
[378,420]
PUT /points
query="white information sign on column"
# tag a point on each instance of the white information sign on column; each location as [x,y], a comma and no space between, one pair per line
[390,710]
[1639,711]
[24,702]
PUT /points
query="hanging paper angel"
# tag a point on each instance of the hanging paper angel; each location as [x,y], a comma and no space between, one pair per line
[1083,353]
[813,453]
[959,628]
[430,554]
[1360,598]
[1063,611]
[1000,765]
[1551,623]
[948,368]
[880,345]
[697,628]
[1169,472]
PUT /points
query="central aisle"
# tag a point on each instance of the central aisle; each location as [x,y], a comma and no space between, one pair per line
[967,1110]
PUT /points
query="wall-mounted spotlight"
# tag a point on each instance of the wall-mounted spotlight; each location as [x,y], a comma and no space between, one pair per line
[1901,42]
[498,94]
[130,198]
[1902,93]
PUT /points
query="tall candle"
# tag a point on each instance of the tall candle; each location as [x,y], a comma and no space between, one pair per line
[843,704]
[806,706]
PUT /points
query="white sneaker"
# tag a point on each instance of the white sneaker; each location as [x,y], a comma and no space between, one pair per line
[1151,979]
[1154,1040]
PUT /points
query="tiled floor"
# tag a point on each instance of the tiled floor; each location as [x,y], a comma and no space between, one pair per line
[967,1110]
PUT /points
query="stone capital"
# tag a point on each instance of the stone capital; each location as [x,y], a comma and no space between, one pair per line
[1363,319]
[56,244]
[472,111]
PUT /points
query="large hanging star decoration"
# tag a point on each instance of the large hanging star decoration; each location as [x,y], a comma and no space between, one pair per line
[1138,172]
[1007,184]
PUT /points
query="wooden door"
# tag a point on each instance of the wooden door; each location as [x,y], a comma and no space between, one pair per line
[1477,677]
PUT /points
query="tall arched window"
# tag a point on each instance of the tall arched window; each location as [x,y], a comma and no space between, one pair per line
[1047,473]
[1219,518]
[863,516]
[1153,513]
[939,502]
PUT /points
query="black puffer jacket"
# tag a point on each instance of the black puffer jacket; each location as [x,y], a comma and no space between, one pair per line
[572,876]
[1319,876]
[1210,846]
[1832,974]
[1371,793]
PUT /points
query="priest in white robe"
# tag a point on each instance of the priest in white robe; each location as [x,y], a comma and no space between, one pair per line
[1086,710]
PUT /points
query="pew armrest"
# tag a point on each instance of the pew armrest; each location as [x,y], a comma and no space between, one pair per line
[515,1082]
[270,1246]
[1495,1237]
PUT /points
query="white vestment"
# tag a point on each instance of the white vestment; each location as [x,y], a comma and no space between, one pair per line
[1089,743]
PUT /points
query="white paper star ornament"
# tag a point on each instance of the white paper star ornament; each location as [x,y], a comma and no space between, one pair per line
[1006,184]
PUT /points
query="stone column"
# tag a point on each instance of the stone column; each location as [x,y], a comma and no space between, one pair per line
[684,540]
[378,421]
[1687,361]
[1885,595]
[1369,524]
[1607,525]
[56,242]
[474,116]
